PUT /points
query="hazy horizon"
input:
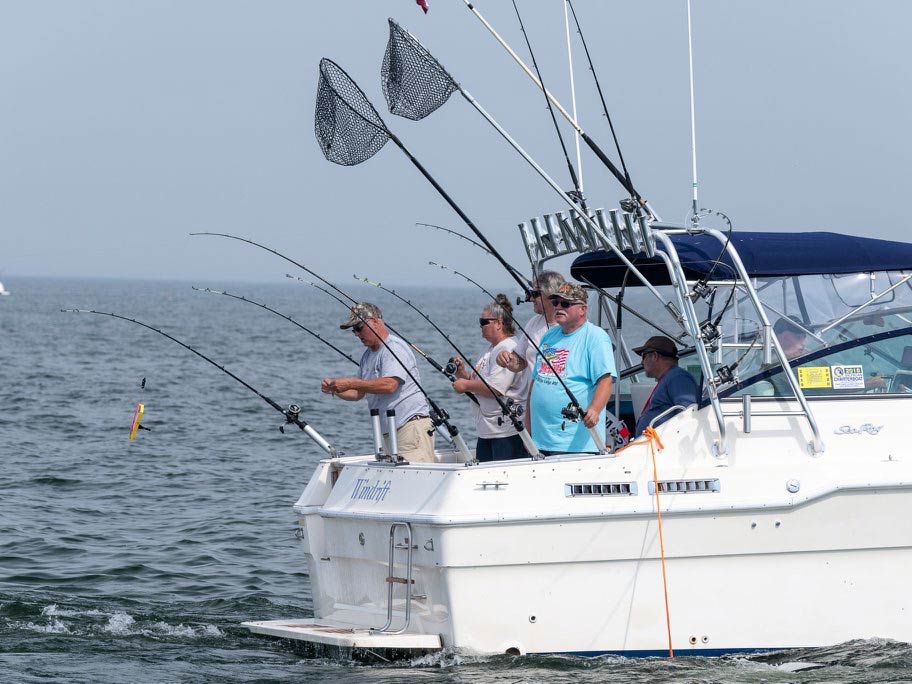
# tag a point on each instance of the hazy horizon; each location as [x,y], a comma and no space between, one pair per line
[128,125]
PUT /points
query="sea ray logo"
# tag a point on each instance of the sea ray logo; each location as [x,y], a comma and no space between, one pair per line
[558,359]
[364,490]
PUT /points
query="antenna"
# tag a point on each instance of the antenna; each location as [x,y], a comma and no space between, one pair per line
[695,217]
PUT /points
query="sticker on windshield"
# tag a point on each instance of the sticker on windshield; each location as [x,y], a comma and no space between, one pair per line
[814,377]
[848,377]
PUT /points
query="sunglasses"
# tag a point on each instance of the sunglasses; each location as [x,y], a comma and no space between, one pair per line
[562,303]
[357,328]
[484,321]
[535,293]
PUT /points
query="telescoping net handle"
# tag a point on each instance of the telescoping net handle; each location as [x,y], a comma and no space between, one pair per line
[415,84]
[347,126]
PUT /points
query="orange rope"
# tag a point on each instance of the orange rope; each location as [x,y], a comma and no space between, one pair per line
[653,438]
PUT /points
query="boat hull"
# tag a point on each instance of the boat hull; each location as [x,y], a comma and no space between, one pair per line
[768,548]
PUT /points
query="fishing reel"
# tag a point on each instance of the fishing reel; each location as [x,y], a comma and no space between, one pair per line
[291,416]
[572,413]
[515,410]
[710,334]
[630,205]
[450,369]
[701,290]
[724,375]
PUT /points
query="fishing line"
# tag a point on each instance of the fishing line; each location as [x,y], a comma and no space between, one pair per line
[456,233]
[572,412]
[628,186]
[241,298]
[576,184]
[508,407]
[350,131]
[448,371]
[416,84]
[439,416]
[323,280]
[292,413]
[598,87]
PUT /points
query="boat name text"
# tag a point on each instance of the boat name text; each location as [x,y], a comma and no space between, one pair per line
[364,490]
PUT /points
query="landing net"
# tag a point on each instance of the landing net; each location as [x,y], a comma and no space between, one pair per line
[347,126]
[414,82]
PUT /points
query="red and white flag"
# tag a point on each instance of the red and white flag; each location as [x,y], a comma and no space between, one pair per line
[422,4]
[558,359]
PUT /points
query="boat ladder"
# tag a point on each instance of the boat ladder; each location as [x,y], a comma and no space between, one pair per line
[392,580]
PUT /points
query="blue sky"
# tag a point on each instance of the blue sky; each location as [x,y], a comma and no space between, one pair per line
[126,125]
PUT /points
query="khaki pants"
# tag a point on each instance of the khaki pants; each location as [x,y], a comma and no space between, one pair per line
[415,444]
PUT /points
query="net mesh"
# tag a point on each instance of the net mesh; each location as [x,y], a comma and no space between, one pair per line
[414,82]
[347,126]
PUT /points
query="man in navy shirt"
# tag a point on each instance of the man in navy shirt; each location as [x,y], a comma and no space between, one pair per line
[675,386]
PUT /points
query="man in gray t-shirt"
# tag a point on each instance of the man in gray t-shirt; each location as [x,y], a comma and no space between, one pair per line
[386,384]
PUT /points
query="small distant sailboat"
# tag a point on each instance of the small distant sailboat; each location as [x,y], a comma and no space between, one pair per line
[3,290]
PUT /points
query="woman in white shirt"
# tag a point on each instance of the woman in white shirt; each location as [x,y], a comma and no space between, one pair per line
[497,438]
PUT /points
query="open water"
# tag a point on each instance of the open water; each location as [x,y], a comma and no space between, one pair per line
[135,562]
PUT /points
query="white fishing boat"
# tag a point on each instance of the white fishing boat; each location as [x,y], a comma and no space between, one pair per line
[3,290]
[771,514]
[783,517]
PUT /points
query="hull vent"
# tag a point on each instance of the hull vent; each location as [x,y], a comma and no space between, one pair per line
[601,489]
[685,486]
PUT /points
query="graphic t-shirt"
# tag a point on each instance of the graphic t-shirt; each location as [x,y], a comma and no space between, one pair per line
[581,359]
[489,419]
[408,400]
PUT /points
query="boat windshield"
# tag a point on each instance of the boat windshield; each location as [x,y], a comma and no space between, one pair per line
[842,332]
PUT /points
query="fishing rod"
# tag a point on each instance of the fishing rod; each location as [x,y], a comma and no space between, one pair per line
[519,300]
[448,371]
[241,298]
[350,131]
[292,413]
[510,408]
[572,411]
[419,76]
[628,186]
[439,416]
[601,95]
[347,296]
[456,233]
[633,312]
[577,186]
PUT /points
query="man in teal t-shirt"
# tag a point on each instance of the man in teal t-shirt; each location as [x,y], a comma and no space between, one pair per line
[582,355]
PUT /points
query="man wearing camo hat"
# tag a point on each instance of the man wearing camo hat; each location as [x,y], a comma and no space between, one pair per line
[386,384]
[544,285]
[581,353]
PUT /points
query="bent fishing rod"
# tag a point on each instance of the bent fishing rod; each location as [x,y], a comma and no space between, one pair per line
[347,296]
[413,73]
[621,178]
[448,371]
[572,411]
[292,413]
[510,409]
[241,298]
[350,131]
[439,416]
[480,246]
